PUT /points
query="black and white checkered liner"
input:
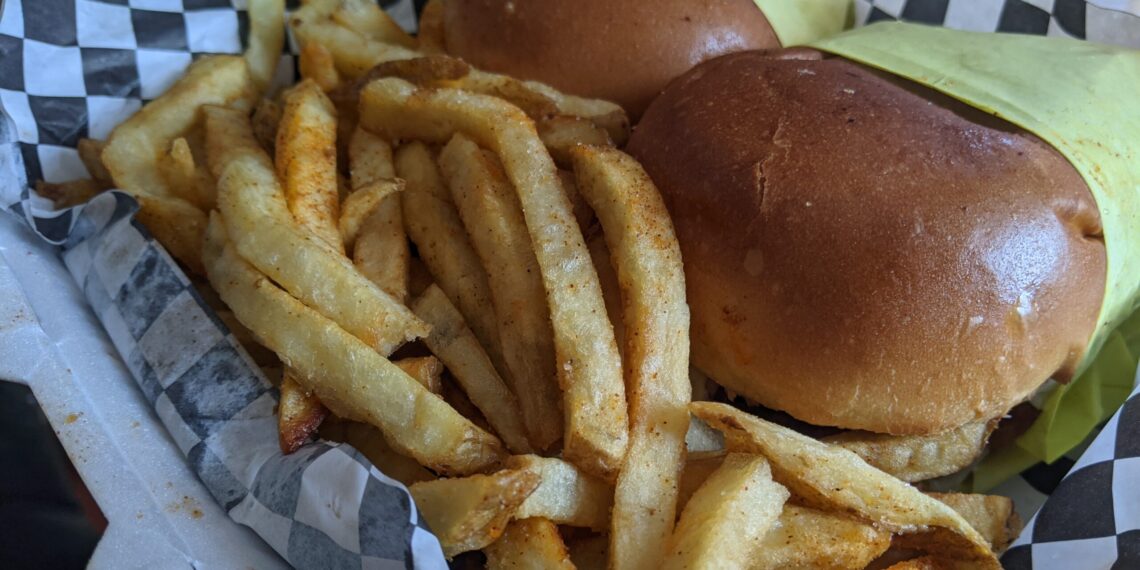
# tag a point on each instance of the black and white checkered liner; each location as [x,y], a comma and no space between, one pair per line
[76,68]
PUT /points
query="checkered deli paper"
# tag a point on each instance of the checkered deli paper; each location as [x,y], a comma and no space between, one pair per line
[71,69]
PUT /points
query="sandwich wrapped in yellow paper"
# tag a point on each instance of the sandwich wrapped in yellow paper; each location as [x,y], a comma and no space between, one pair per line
[1082,99]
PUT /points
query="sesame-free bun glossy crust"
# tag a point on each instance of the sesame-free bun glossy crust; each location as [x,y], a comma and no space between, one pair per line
[625,51]
[864,252]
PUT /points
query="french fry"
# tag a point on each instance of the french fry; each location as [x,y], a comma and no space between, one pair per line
[90,152]
[490,211]
[70,193]
[830,477]
[808,538]
[349,376]
[918,457]
[700,438]
[431,28]
[470,513]
[380,249]
[929,563]
[266,40]
[529,544]
[370,441]
[266,118]
[263,230]
[357,224]
[427,69]
[178,225]
[723,523]
[365,17]
[306,162]
[453,343]
[317,64]
[561,133]
[261,356]
[588,364]
[698,468]
[180,173]
[611,291]
[647,258]
[299,413]
[427,370]
[353,52]
[434,226]
[991,515]
[566,496]
[583,214]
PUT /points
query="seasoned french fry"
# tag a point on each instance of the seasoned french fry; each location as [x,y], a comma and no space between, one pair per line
[607,279]
[529,544]
[90,152]
[583,214]
[647,258]
[178,225]
[698,468]
[306,162]
[353,53]
[991,515]
[566,496]
[434,226]
[381,247]
[370,441]
[70,193]
[918,457]
[365,17]
[178,170]
[561,133]
[427,370]
[490,211]
[349,376]
[827,476]
[470,513]
[253,204]
[299,413]
[317,64]
[430,35]
[588,364]
[358,222]
[266,40]
[723,523]
[807,538]
[453,343]
[266,118]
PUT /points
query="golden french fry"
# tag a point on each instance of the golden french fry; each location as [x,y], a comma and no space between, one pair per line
[264,231]
[299,413]
[723,523]
[929,563]
[647,258]
[434,226]
[991,515]
[566,496]
[561,133]
[365,17]
[306,161]
[317,64]
[430,34]
[350,378]
[370,441]
[830,477]
[698,468]
[490,211]
[582,211]
[358,224]
[588,363]
[427,370]
[609,116]
[453,343]
[266,118]
[918,457]
[456,398]
[178,225]
[380,248]
[427,69]
[353,52]
[176,165]
[90,152]
[808,538]
[470,513]
[70,193]
[607,279]
[266,40]
[529,544]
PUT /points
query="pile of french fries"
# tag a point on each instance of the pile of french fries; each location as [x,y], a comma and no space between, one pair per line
[522,365]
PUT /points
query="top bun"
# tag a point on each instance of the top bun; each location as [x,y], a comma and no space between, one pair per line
[864,252]
[624,51]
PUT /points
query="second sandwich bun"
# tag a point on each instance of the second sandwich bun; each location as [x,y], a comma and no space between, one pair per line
[866,253]
[625,51]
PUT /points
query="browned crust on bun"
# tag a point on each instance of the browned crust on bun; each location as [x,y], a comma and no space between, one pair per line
[625,51]
[866,253]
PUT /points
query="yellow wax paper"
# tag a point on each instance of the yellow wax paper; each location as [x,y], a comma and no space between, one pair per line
[1084,99]
[798,22]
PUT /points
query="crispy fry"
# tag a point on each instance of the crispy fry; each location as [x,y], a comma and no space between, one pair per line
[306,162]
[807,538]
[70,193]
[353,52]
[349,376]
[358,224]
[456,398]
[176,165]
[490,211]
[915,457]
[365,17]
[427,69]
[471,512]
[264,231]
[991,515]
[266,118]
[427,370]
[453,343]
[434,226]
[929,563]
[380,250]
[583,214]
[647,258]
[266,40]
[723,523]
[588,364]
[430,35]
[90,152]
[827,476]
[561,133]
[178,225]
[698,468]
[529,544]
[370,441]
[299,413]
[316,64]
[611,291]
[566,496]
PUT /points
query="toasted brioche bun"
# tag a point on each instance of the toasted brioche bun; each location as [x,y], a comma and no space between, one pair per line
[625,51]
[864,252]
